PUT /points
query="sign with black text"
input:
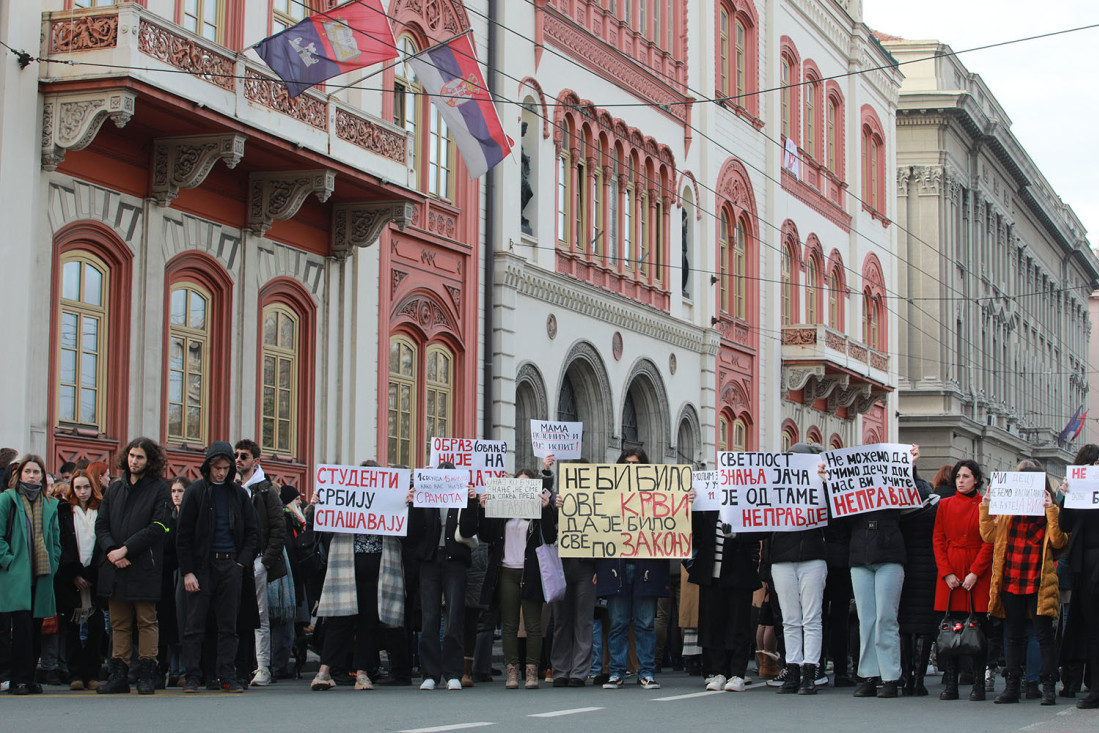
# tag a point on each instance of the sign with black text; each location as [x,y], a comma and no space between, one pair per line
[869,478]
[771,492]
[513,498]
[707,493]
[1082,487]
[1018,493]
[440,488]
[562,440]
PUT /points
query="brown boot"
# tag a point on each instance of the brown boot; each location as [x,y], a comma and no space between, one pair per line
[467,674]
[768,664]
[532,677]
[513,677]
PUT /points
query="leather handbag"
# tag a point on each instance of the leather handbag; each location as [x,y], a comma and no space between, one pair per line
[960,638]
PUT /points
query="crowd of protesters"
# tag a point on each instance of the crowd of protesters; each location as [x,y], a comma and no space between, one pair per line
[117,576]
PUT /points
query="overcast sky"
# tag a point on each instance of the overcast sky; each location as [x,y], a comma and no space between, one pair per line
[1048,87]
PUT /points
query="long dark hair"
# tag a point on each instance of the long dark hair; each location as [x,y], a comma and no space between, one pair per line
[1087,455]
[639,453]
[154,455]
[978,475]
[17,470]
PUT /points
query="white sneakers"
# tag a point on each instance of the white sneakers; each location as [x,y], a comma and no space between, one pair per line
[715,683]
[735,684]
[429,684]
[454,684]
[262,677]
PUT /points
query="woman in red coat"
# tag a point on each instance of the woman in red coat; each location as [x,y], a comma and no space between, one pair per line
[965,566]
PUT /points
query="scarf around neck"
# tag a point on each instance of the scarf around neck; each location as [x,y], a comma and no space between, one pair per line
[36,541]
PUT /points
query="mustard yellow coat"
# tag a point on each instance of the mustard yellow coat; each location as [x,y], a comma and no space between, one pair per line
[994,530]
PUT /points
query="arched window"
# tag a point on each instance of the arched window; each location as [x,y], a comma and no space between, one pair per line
[740,435]
[723,45]
[280,394]
[740,59]
[613,196]
[725,264]
[407,95]
[564,201]
[732,434]
[833,122]
[597,232]
[813,278]
[188,364]
[82,357]
[735,39]
[628,222]
[740,271]
[644,245]
[403,358]
[789,436]
[439,396]
[788,301]
[871,322]
[835,300]
[583,193]
[873,161]
[787,93]
[835,131]
[813,436]
[812,98]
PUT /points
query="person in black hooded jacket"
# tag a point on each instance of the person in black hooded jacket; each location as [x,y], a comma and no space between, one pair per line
[130,528]
[217,540]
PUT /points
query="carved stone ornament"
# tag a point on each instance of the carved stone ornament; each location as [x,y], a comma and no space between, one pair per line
[71,121]
[279,195]
[821,388]
[847,396]
[360,224]
[796,377]
[865,403]
[184,162]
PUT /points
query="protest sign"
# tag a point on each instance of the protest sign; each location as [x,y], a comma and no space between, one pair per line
[559,439]
[870,477]
[1020,494]
[361,499]
[480,477]
[1082,487]
[469,453]
[771,492]
[707,493]
[441,488]
[625,510]
[513,498]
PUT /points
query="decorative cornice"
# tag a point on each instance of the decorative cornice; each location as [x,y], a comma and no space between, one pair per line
[360,224]
[184,162]
[794,378]
[588,300]
[71,121]
[279,195]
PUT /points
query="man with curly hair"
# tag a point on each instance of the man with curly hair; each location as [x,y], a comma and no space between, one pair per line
[130,529]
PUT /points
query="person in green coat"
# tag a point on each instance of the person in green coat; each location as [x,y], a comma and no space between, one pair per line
[30,552]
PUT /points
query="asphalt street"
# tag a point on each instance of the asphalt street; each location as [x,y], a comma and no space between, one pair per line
[681,705]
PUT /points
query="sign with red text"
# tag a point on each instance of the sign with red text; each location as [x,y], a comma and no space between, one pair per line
[1018,493]
[1082,487]
[707,494]
[627,510]
[366,500]
[771,492]
[469,453]
[869,478]
[562,440]
[440,488]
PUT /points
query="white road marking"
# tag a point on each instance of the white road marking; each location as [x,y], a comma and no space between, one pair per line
[706,693]
[441,728]
[557,713]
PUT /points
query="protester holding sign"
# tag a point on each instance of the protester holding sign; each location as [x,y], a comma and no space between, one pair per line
[440,539]
[799,570]
[877,558]
[1024,584]
[513,581]
[964,561]
[1080,642]
[631,588]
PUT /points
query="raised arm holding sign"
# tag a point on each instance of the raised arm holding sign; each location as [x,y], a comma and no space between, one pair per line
[559,439]
[870,477]
[1021,494]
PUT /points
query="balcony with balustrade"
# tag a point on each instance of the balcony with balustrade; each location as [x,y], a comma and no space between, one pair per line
[832,372]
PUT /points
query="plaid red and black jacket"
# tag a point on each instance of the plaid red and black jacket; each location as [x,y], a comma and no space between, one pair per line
[1023,555]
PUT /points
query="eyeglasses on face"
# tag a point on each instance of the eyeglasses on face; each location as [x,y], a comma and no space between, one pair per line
[244,455]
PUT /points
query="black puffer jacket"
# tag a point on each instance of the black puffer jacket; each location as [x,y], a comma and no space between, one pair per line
[138,517]
[272,526]
[424,526]
[196,518]
[739,556]
[875,538]
[917,614]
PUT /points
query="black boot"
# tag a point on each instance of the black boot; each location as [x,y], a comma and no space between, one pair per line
[922,657]
[792,681]
[867,688]
[117,679]
[146,677]
[1049,689]
[950,680]
[1012,678]
[908,681]
[808,680]
[977,693]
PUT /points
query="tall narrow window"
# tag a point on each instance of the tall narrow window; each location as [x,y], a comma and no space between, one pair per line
[206,18]
[583,193]
[598,234]
[658,37]
[285,13]
[811,119]
[739,438]
[440,171]
[834,295]
[785,94]
[787,287]
[402,401]
[563,197]
[870,171]
[280,381]
[832,143]
[643,18]
[83,341]
[723,265]
[439,395]
[723,51]
[670,25]
[188,363]
[741,59]
[724,429]
[627,228]
[658,241]
[740,271]
[612,208]
[870,326]
[812,288]
[405,94]
[644,246]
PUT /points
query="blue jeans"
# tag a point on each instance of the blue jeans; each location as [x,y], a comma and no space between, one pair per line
[597,647]
[624,608]
[877,590]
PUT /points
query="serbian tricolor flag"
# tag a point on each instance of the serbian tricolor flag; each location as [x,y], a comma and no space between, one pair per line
[450,75]
[330,43]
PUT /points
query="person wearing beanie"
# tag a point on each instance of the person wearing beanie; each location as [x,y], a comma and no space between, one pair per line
[217,541]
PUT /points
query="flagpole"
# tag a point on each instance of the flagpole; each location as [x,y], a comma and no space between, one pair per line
[412,56]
